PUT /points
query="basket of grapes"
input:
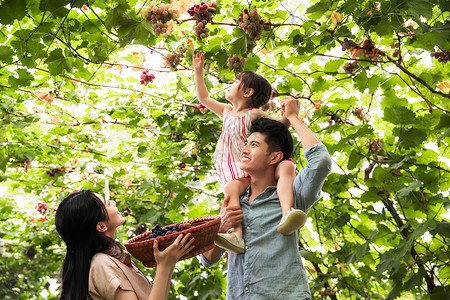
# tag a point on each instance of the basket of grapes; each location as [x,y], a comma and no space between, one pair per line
[204,230]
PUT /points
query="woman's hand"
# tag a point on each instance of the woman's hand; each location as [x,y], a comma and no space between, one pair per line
[180,247]
[198,61]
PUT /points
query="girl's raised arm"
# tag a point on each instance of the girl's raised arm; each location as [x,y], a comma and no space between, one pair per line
[201,90]
[258,113]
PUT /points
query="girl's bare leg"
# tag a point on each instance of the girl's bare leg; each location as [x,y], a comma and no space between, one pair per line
[234,241]
[293,219]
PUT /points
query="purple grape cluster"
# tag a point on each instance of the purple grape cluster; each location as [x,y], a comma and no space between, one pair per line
[53,172]
[441,56]
[236,64]
[350,67]
[126,211]
[158,231]
[176,136]
[251,22]
[203,11]
[41,207]
[202,14]
[146,77]
[160,15]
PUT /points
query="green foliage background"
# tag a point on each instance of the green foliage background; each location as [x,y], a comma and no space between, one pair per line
[70,107]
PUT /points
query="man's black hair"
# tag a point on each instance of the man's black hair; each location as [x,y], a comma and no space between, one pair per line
[277,136]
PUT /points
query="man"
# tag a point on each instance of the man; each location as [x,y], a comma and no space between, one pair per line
[271,268]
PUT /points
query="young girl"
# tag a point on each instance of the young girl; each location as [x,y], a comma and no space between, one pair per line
[247,94]
[95,266]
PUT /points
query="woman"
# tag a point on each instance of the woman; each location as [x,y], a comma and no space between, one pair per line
[95,265]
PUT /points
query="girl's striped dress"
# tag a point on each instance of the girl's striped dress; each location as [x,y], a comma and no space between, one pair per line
[226,158]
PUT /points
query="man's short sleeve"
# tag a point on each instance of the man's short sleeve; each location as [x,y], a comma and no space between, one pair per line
[309,180]
[105,277]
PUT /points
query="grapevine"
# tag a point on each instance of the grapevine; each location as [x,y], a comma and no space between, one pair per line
[160,15]
[202,14]
[251,22]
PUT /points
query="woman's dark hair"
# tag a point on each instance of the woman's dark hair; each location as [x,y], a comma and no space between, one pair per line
[262,90]
[277,136]
[76,220]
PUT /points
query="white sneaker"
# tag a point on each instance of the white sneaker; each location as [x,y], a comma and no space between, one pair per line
[231,242]
[292,221]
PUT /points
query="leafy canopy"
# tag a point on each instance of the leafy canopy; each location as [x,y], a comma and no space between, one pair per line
[73,113]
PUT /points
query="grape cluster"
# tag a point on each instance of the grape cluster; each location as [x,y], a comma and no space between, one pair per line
[160,15]
[350,67]
[394,45]
[158,231]
[396,53]
[41,207]
[203,11]
[236,64]
[10,283]
[53,172]
[201,32]
[202,14]
[172,60]
[251,22]
[126,211]
[347,44]
[146,77]
[202,108]
[176,136]
[441,56]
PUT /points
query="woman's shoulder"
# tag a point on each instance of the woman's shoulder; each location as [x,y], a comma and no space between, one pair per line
[102,259]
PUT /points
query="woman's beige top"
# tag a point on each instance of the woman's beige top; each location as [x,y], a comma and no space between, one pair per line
[107,274]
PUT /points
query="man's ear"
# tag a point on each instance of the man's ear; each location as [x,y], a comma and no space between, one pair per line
[249,92]
[101,227]
[276,157]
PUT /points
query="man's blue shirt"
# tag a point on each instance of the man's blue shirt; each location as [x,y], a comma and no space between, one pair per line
[272,268]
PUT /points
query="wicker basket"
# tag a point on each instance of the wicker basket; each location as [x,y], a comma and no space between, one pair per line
[204,230]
